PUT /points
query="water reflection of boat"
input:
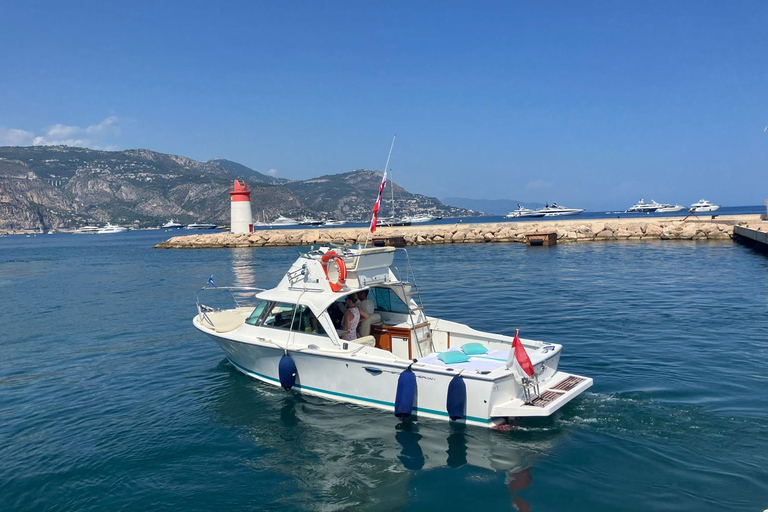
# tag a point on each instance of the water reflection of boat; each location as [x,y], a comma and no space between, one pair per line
[376,463]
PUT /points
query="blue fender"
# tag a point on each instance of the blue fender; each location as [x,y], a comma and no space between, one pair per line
[406,393]
[287,372]
[456,402]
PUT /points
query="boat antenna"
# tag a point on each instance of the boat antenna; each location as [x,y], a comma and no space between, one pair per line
[389,155]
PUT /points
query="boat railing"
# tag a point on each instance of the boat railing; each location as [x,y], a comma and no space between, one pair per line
[240,295]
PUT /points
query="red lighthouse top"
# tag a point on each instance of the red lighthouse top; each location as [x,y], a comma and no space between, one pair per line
[240,191]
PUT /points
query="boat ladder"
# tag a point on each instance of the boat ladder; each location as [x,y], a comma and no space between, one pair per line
[417,319]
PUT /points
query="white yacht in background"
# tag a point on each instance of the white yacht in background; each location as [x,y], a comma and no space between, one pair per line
[643,207]
[111,228]
[419,219]
[309,221]
[283,221]
[87,230]
[555,210]
[200,225]
[668,208]
[331,222]
[407,363]
[523,212]
[172,224]
[704,206]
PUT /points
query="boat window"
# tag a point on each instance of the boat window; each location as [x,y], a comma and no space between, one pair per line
[282,315]
[253,318]
[387,300]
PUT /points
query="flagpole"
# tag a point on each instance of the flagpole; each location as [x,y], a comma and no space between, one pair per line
[386,166]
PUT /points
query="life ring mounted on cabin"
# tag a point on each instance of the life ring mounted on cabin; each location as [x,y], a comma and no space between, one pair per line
[338,270]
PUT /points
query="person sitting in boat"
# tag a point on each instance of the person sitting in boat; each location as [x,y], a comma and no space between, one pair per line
[352,318]
[364,303]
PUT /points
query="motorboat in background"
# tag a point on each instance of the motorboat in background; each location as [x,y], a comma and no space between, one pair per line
[406,362]
[200,225]
[390,222]
[704,206]
[331,222]
[668,208]
[172,224]
[307,221]
[523,212]
[87,230]
[419,219]
[643,207]
[555,210]
[283,221]
[111,228]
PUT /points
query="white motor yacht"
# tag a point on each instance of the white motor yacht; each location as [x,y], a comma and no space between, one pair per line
[555,210]
[400,360]
[201,225]
[172,224]
[331,222]
[419,219]
[668,208]
[523,212]
[283,221]
[87,230]
[704,206]
[643,207]
[111,228]
[392,222]
[308,221]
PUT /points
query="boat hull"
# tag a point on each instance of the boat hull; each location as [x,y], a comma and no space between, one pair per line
[359,378]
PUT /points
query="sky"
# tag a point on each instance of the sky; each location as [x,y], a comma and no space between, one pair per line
[592,104]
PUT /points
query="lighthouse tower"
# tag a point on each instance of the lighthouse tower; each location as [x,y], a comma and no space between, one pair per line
[242,221]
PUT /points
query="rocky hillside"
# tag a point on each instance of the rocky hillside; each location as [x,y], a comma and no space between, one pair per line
[60,187]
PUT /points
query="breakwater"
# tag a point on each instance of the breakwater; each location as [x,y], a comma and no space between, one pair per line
[567,230]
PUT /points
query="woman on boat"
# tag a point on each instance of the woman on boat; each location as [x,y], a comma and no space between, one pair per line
[352,318]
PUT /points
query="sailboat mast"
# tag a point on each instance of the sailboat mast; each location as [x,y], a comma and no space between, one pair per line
[391,183]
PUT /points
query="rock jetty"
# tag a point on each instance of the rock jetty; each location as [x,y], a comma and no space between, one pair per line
[570,230]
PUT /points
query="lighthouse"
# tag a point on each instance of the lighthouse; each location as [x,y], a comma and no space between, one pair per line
[242,221]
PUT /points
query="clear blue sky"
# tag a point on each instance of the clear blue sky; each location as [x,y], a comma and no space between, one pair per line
[590,104]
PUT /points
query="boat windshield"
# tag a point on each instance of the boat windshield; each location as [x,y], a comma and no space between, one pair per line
[286,316]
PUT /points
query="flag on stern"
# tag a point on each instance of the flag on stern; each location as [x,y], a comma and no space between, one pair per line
[521,355]
[210,282]
[378,202]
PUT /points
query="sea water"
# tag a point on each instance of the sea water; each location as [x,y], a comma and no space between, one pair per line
[111,400]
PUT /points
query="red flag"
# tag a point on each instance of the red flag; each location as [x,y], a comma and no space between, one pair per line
[522,356]
[378,203]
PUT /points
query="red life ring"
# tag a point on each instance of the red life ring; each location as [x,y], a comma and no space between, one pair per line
[332,257]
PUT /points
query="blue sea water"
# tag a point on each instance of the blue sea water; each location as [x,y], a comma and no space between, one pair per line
[110,400]
[587,215]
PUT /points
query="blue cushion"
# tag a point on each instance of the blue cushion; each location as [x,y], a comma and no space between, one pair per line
[453,356]
[473,349]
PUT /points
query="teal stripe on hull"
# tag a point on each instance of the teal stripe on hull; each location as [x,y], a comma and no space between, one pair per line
[353,397]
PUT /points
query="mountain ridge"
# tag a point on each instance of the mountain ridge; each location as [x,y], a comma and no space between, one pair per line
[63,187]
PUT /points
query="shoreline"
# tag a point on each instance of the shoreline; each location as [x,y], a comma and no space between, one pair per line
[568,230]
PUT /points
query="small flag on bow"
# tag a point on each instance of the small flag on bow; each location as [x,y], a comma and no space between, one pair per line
[210,282]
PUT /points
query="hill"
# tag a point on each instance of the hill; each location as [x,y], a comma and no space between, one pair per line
[61,187]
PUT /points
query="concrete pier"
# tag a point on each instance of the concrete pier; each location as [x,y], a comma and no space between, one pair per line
[752,235]
[568,230]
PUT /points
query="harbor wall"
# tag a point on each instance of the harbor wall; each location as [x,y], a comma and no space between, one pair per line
[568,230]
